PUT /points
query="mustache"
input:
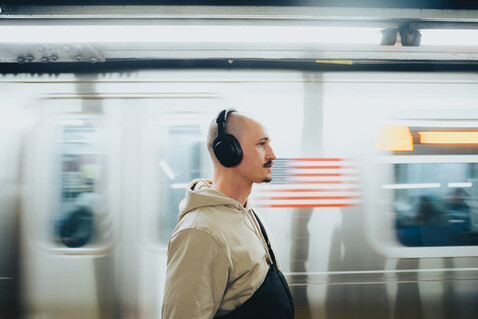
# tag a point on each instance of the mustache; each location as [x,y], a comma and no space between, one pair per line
[269,163]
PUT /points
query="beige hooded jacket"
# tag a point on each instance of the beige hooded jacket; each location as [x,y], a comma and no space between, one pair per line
[217,256]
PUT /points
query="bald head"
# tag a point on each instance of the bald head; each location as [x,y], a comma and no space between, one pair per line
[236,125]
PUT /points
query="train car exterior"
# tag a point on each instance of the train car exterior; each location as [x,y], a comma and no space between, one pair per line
[372,208]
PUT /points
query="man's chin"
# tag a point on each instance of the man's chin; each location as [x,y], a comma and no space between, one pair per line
[267,180]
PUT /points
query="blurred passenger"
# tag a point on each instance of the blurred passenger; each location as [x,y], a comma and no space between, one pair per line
[458,217]
[407,224]
[428,213]
[220,260]
[430,220]
[426,228]
[78,228]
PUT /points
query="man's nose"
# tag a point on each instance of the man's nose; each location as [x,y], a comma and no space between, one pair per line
[271,155]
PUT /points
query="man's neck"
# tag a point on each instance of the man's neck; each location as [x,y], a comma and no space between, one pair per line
[233,187]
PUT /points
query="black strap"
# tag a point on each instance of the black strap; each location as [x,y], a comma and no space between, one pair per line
[266,238]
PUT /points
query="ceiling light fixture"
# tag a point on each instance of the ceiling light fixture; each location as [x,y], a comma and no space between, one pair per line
[188,34]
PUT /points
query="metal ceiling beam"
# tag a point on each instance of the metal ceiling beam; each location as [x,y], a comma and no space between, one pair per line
[235,12]
[238,16]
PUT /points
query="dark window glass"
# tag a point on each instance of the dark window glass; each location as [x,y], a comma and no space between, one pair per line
[435,204]
[81,154]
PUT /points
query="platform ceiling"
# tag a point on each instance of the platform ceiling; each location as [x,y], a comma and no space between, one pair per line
[415,4]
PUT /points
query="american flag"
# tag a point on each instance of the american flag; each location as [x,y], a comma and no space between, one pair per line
[310,182]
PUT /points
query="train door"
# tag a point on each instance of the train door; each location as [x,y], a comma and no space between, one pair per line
[173,153]
[69,216]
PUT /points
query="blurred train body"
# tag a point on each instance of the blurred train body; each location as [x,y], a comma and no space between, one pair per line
[93,166]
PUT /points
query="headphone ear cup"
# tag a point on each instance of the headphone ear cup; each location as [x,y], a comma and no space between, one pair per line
[227,149]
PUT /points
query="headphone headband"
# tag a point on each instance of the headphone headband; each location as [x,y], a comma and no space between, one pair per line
[222,119]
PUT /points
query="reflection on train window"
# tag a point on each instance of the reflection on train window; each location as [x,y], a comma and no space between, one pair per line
[81,154]
[179,163]
[436,204]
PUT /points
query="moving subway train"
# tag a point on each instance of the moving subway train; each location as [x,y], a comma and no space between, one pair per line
[373,203]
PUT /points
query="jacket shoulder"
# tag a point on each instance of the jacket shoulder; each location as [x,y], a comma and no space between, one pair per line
[211,219]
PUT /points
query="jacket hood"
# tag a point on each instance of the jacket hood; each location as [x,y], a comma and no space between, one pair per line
[200,194]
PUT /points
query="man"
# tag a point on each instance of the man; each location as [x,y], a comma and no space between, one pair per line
[220,261]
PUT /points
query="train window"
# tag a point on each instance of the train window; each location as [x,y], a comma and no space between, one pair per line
[179,164]
[80,214]
[435,204]
[431,188]
[179,155]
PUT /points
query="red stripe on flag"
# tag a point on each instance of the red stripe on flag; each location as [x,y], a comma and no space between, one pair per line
[324,182]
[322,174]
[306,205]
[316,159]
[317,167]
[311,190]
[306,197]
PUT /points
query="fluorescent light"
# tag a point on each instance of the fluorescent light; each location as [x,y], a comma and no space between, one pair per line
[395,138]
[449,37]
[189,34]
[464,184]
[410,186]
[449,137]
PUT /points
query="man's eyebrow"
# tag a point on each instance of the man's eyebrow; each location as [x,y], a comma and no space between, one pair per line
[265,139]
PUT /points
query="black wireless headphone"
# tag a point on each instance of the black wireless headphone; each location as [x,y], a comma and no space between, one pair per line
[226,147]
